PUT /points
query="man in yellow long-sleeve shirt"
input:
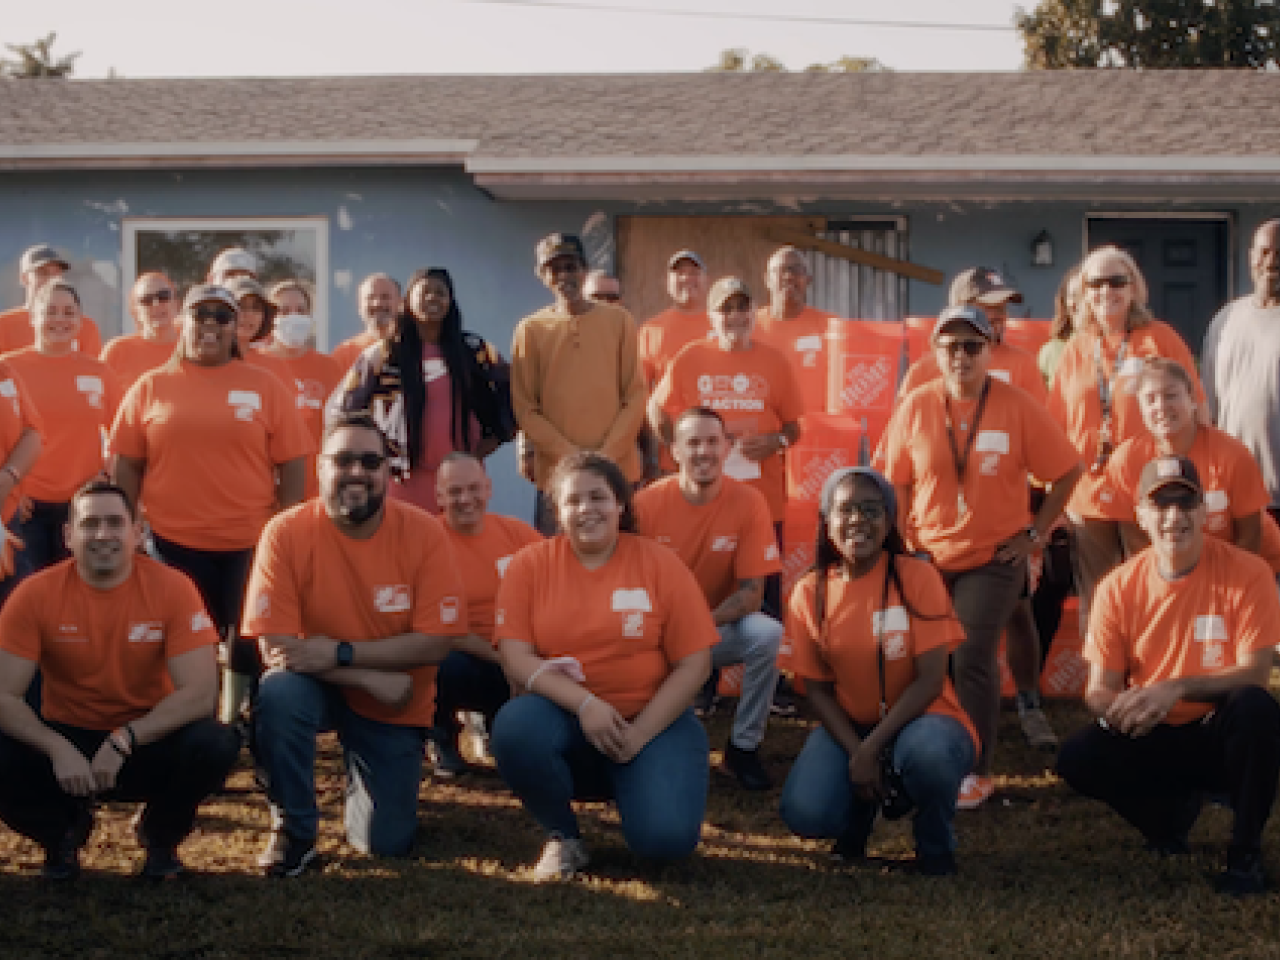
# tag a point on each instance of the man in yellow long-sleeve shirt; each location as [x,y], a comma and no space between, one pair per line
[576,382]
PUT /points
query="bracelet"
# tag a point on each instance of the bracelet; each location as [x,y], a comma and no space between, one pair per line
[587,699]
[528,684]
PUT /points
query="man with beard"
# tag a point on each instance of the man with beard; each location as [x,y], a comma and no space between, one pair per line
[354,598]
[379,304]
[1241,362]
[720,528]
[575,374]
[128,659]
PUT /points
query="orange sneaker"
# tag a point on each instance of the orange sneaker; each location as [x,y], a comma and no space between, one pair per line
[974,791]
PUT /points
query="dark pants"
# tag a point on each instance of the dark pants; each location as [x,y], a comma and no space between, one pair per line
[171,776]
[1155,781]
[771,604]
[42,532]
[984,599]
[465,682]
[221,576]
[1057,581]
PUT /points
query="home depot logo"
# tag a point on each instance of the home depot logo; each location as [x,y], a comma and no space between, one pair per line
[815,470]
[92,389]
[866,383]
[391,599]
[146,632]
[724,544]
[245,403]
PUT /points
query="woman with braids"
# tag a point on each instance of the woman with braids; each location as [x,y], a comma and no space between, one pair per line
[432,387]
[872,628]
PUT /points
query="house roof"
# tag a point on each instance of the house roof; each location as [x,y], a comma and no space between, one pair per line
[745,129]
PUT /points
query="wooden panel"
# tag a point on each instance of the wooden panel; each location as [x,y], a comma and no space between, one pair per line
[728,245]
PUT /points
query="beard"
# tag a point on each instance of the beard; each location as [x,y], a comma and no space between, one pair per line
[357,513]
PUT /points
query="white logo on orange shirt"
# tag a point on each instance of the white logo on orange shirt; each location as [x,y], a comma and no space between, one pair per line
[391,599]
[146,632]
[201,621]
[502,563]
[92,389]
[10,390]
[1211,630]
[625,601]
[69,632]
[738,392]
[449,608]
[892,625]
[771,552]
[633,625]
[245,402]
[1216,503]
[1002,375]
[811,347]
[724,544]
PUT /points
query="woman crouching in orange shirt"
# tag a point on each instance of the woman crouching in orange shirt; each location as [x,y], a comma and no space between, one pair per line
[609,637]
[872,629]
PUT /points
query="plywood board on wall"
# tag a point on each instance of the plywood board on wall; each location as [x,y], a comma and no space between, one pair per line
[737,246]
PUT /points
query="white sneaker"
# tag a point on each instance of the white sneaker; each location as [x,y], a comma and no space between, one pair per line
[561,859]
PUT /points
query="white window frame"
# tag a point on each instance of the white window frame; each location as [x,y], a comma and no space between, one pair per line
[130,227]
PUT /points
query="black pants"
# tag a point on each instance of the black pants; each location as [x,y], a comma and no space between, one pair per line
[42,532]
[465,682]
[171,776]
[221,576]
[1154,782]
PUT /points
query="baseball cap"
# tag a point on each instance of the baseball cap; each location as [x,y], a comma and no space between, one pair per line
[209,293]
[33,258]
[982,285]
[723,289]
[559,245]
[234,258]
[685,255]
[971,315]
[1164,471]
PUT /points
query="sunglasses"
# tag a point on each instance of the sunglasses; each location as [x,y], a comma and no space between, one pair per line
[868,510]
[220,315]
[345,460]
[160,296]
[1184,498]
[606,297]
[1117,282]
[971,347]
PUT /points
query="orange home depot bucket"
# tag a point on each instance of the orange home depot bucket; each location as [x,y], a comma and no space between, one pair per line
[1030,335]
[827,443]
[1065,671]
[799,529]
[865,365]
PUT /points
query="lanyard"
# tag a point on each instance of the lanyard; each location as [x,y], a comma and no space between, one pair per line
[1106,384]
[884,611]
[961,458]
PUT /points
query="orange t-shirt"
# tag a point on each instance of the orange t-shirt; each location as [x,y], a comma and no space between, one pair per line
[104,654]
[1008,363]
[345,353]
[1150,630]
[664,335]
[211,438]
[17,416]
[76,397]
[310,579]
[482,560]
[1233,487]
[1016,438]
[16,332]
[314,375]
[842,650]
[132,356]
[257,357]
[724,541]
[1074,402]
[754,390]
[627,622]
[803,341]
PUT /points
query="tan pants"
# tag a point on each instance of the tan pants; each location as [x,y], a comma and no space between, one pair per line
[1096,551]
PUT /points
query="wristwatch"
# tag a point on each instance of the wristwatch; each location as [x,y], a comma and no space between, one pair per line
[1033,534]
[345,653]
[783,442]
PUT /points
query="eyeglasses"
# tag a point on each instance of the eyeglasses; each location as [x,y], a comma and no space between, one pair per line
[160,296]
[1184,498]
[345,460]
[220,315]
[871,510]
[971,347]
[1117,282]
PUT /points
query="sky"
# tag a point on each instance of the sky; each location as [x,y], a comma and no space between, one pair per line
[160,38]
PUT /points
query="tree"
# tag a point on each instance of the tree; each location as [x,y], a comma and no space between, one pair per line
[847,64]
[740,60]
[35,61]
[1150,34]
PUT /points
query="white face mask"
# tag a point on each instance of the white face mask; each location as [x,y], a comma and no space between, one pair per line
[294,330]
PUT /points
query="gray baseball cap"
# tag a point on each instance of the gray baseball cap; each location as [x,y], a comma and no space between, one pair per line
[36,257]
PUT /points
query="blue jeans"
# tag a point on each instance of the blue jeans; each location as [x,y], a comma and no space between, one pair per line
[661,794]
[383,763]
[753,642]
[933,752]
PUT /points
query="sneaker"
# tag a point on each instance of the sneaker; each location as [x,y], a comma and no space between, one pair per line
[746,766]
[1243,876]
[1037,729]
[62,860]
[446,760]
[477,735]
[562,858]
[162,863]
[975,791]
[784,701]
[937,865]
[287,856]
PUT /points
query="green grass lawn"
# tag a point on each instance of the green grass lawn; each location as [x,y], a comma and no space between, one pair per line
[1043,873]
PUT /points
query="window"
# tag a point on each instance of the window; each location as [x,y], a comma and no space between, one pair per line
[286,248]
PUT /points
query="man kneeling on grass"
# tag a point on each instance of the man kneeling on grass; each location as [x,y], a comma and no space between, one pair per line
[355,598]
[1179,652]
[127,656]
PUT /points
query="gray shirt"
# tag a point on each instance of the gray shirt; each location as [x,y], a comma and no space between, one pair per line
[1240,369]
